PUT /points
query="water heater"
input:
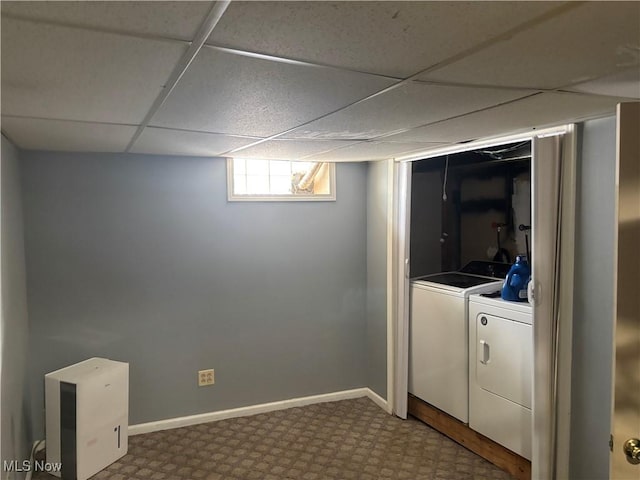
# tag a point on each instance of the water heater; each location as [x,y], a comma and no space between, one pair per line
[87,415]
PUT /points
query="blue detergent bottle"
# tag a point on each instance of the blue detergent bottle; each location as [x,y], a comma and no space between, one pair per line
[515,284]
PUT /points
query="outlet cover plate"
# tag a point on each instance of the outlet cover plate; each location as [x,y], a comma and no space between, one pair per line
[206,377]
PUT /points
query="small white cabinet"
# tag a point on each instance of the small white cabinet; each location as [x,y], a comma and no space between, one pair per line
[87,416]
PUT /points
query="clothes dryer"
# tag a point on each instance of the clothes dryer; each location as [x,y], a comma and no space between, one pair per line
[501,371]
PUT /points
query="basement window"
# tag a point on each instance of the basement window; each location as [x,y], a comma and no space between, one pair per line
[279,180]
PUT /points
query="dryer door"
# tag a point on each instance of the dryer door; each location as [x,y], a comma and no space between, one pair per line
[504,358]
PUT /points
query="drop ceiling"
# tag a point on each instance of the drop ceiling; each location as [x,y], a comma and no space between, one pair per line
[330,81]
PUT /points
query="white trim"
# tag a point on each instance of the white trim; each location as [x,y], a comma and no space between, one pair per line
[178,422]
[546,167]
[616,264]
[565,333]
[390,336]
[378,400]
[2,140]
[401,214]
[492,142]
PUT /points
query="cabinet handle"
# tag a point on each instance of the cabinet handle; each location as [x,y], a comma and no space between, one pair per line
[484,352]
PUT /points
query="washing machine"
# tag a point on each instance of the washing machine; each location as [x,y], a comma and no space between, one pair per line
[438,334]
[501,371]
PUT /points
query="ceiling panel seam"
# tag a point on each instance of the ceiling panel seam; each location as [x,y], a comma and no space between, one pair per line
[54,119]
[501,104]
[381,137]
[205,29]
[204,132]
[293,61]
[489,86]
[98,29]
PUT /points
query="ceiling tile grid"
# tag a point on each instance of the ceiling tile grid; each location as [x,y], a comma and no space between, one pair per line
[409,105]
[236,94]
[83,75]
[393,38]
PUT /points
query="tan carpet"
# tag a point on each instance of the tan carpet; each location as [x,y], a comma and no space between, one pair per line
[351,439]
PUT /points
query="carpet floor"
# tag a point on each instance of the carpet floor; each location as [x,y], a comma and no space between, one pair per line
[350,439]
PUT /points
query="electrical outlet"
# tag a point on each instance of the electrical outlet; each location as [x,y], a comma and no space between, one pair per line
[206,377]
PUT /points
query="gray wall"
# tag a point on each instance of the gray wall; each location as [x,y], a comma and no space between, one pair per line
[377,196]
[593,309]
[142,259]
[15,327]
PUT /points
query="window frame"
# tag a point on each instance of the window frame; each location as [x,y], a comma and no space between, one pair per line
[265,197]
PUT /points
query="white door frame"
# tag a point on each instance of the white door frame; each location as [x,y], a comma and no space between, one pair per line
[559,348]
[401,195]
[565,308]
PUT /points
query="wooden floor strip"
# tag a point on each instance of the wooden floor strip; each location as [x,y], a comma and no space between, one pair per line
[457,431]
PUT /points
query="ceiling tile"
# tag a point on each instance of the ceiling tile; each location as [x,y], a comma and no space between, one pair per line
[178,142]
[620,84]
[573,47]
[58,135]
[407,106]
[290,149]
[545,109]
[233,94]
[369,151]
[51,71]
[389,38]
[179,20]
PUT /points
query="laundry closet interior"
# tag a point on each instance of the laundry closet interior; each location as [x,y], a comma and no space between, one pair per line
[470,350]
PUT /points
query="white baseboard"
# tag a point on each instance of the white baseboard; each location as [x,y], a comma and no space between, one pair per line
[378,400]
[256,409]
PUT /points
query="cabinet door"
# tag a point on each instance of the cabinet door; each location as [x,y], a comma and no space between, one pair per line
[504,358]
